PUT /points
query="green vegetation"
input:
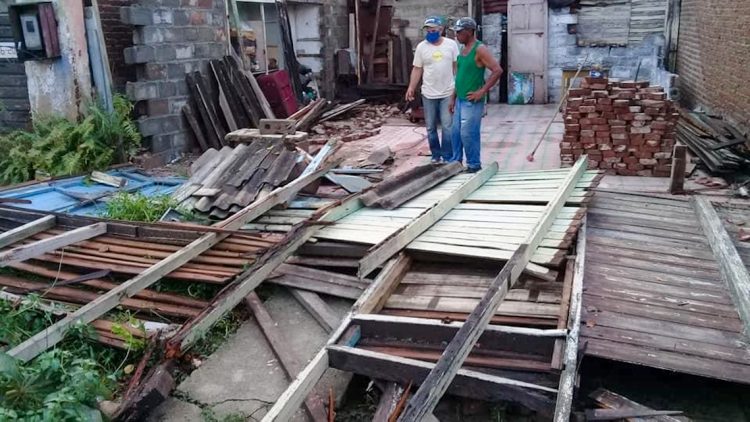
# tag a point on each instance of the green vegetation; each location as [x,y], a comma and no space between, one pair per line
[138,207]
[64,383]
[59,147]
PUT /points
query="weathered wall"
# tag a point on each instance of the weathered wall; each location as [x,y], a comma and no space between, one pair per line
[14,96]
[415,11]
[713,57]
[623,62]
[62,86]
[117,37]
[172,38]
[492,36]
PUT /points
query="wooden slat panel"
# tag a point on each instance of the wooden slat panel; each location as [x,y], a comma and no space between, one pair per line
[428,303]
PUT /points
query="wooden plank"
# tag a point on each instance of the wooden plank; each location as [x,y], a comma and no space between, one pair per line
[649,257]
[93,310]
[677,175]
[192,120]
[291,363]
[733,270]
[611,400]
[669,269]
[654,311]
[670,344]
[668,360]
[454,304]
[468,383]
[109,180]
[290,400]
[389,400]
[565,393]
[386,249]
[685,290]
[317,308]
[440,377]
[476,292]
[40,247]
[317,286]
[29,229]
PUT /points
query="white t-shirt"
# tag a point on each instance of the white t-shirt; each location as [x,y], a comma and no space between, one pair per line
[437,64]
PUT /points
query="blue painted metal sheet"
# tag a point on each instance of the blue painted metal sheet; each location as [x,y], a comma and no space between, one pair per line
[79,196]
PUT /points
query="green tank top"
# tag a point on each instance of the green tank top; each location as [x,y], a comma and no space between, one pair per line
[469,76]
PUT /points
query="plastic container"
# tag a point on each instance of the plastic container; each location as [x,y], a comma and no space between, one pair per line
[277,88]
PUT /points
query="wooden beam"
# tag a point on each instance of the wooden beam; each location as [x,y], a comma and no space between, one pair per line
[373,44]
[289,401]
[439,380]
[679,161]
[732,269]
[389,247]
[29,229]
[468,383]
[93,310]
[427,323]
[289,361]
[317,308]
[389,400]
[40,247]
[570,356]
[610,400]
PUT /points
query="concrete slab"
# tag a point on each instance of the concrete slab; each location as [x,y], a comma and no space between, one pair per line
[244,376]
[175,409]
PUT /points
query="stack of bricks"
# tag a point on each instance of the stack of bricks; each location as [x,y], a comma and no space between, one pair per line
[625,128]
[171,38]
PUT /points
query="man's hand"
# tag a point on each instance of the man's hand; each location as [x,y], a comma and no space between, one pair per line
[475,96]
[410,94]
[452,106]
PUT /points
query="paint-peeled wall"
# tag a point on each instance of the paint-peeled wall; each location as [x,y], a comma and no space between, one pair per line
[62,86]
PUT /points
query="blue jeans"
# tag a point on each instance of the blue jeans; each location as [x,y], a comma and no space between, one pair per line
[467,125]
[437,111]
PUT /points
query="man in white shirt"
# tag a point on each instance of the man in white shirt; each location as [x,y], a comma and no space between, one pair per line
[435,63]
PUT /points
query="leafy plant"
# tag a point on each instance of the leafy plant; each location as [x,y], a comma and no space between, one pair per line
[138,207]
[59,147]
[54,386]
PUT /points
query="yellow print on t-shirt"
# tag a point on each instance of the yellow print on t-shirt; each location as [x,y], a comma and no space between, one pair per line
[437,55]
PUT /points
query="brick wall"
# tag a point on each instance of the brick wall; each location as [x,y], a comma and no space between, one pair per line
[171,38]
[117,37]
[713,57]
[415,11]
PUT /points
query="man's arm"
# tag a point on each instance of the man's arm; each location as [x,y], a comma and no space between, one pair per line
[416,75]
[485,57]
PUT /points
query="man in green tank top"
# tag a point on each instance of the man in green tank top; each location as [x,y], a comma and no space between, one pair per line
[471,89]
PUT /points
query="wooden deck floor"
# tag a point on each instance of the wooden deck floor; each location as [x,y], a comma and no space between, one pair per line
[653,294]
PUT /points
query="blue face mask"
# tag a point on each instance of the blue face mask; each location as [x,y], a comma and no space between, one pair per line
[432,37]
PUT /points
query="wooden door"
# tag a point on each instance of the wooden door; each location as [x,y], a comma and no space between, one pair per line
[527,43]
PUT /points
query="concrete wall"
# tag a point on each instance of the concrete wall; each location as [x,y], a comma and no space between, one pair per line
[713,57]
[62,86]
[172,38]
[492,36]
[623,62]
[117,37]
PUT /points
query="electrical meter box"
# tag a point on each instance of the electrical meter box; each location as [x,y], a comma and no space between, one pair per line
[34,29]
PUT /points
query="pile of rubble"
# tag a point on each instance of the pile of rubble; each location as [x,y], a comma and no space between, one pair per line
[365,124]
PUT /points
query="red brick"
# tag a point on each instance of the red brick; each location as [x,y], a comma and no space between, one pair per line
[635,166]
[603,135]
[642,116]
[570,138]
[588,140]
[619,135]
[634,129]
[625,95]
[653,137]
[647,173]
[652,111]
[652,143]
[609,115]
[572,128]
[599,95]
[626,172]
[586,121]
[587,109]
[630,160]
[603,146]
[601,127]
[626,116]
[620,142]
[618,129]
[579,92]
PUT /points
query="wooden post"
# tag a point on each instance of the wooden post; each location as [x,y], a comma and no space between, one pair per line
[371,52]
[679,162]
[570,357]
